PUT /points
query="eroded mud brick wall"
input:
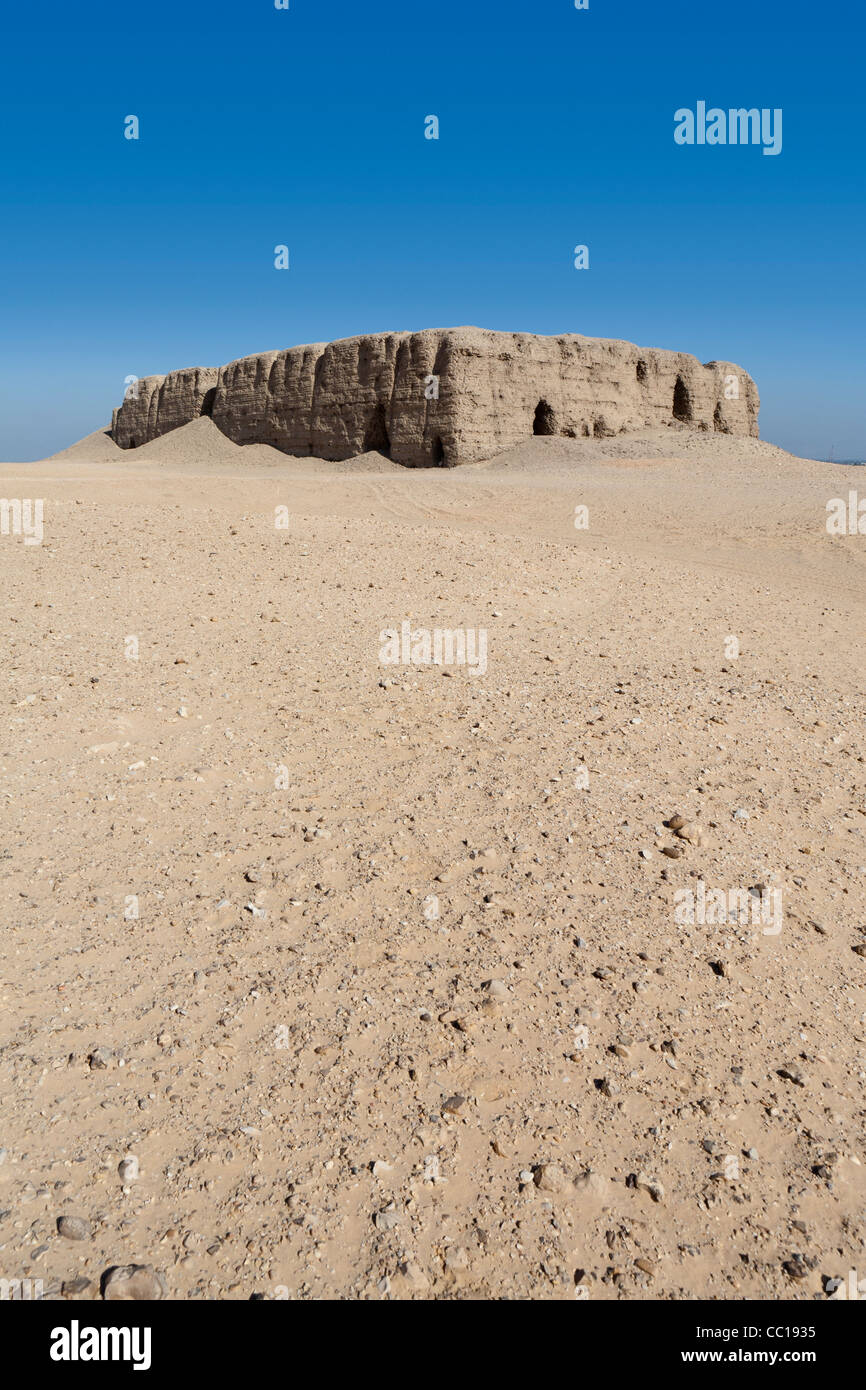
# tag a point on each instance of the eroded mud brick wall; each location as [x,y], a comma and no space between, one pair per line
[443,396]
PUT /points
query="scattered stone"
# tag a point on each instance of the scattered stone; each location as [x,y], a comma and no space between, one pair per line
[138,1283]
[497,989]
[74,1228]
[128,1169]
[644,1183]
[431,1168]
[692,834]
[78,1289]
[549,1177]
[100,1058]
[792,1074]
[453,1105]
[386,1219]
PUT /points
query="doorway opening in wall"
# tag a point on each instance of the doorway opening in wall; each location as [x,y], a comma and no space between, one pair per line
[207,402]
[682,402]
[376,436]
[437,454]
[720,424]
[545,420]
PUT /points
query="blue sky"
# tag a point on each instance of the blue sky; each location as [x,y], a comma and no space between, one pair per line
[306,127]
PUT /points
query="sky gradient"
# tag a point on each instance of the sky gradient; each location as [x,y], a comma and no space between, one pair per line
[306,127]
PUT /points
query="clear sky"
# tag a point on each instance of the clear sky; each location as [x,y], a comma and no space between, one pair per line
[305,127]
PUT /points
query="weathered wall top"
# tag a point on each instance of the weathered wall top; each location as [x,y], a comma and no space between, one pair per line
[443,396]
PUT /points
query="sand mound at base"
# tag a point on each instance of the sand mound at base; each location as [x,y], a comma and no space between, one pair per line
[98,445]
[199,442]
[555,454]
[201,445]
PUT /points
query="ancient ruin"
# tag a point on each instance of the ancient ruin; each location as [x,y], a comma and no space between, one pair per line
[441,397]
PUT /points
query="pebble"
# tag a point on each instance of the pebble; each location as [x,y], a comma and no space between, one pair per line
[100,1058]
[549,1177]
[791,1074]
[644,1183]
[386,1220]
[496,989]
[453,1105]
[74,1228]
[137,1283]
[77,1289]
[128,1169]
[692,834]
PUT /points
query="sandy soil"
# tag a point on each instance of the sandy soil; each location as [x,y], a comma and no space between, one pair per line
[406,1010]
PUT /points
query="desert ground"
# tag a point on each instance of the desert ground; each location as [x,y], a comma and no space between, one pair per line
[323,978]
